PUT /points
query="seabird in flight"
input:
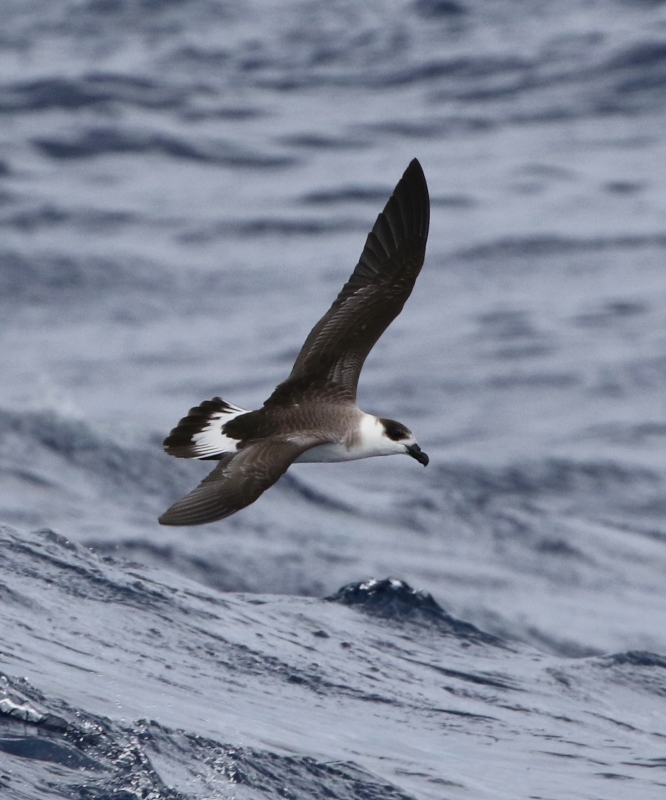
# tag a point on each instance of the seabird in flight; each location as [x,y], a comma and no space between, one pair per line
[313,416]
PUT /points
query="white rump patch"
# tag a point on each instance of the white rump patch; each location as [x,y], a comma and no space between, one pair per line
[210,441]
[199,434]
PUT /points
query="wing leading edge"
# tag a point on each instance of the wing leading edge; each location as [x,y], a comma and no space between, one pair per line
[374,295]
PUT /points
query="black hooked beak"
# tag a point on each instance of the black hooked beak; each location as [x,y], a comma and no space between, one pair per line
[415,452]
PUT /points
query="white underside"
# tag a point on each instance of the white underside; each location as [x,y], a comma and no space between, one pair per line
[327,453]
[371,441]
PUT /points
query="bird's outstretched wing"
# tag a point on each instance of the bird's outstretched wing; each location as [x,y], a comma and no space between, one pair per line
[237,481]
[372,297]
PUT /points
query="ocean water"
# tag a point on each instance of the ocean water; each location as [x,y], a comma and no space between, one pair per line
[184,188]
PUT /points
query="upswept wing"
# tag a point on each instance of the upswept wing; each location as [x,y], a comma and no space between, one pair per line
[236,481]
[374,294]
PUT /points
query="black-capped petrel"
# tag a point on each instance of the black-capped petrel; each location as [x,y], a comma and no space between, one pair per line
[313,416]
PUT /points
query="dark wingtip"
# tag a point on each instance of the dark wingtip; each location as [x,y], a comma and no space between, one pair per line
[415,165]
[206,503]
[174,516]
[414,172]
[189,511]
[177,516]
[181,513]
[413,197]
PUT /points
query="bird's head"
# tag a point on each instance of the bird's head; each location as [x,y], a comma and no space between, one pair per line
[404,439]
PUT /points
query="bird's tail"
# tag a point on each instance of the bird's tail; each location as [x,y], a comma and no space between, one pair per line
[201,433]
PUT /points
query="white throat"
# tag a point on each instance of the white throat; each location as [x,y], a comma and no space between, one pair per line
[370,440]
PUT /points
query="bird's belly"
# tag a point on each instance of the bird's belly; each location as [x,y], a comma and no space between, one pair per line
[326,453]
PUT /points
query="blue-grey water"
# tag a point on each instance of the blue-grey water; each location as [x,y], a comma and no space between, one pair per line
[184,187]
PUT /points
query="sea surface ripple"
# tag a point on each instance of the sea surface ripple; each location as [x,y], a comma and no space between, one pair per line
[184,188]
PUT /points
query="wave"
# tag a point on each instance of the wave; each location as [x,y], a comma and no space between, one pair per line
[139,470]
[97,758]
[90,90]
[394,599]
[548,245]
[269,226]
[561,477]
[262,695]
[50,277]
[106,140]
